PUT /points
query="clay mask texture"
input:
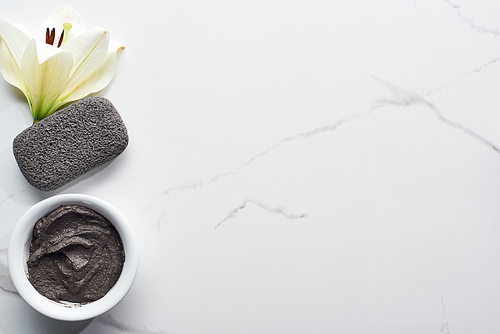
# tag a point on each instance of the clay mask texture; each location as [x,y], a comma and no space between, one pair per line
[76,255]
[70,143]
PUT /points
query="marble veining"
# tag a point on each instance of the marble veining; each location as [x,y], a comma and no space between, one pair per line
[399,97]
[465,75]
[445,327]
[109,321]
[6,284]
[275,210]
[11,196]
[404,98]
[470,22]
[198,183]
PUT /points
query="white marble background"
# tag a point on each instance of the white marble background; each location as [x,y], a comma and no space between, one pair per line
[294,166]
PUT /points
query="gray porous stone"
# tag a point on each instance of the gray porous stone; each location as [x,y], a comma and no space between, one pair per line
[70,143]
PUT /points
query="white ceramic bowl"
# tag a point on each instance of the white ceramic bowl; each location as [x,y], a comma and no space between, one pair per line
[18,255]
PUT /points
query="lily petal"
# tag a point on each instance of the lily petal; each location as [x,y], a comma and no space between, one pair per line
[89,51]
[94,63]
[23,29]
[100,78]
[15,41]
[57,19]
[45,70]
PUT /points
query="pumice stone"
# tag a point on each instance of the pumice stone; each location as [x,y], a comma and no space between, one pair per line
[70,143]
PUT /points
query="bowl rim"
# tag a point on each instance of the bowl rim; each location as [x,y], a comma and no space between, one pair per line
[19,249]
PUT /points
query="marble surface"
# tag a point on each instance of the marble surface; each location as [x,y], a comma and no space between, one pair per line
[294,166]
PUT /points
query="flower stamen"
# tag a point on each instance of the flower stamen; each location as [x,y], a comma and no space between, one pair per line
[60,39]
[65,34]
[50,36]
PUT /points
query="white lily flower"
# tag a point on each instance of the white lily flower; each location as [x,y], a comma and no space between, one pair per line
[61,63]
